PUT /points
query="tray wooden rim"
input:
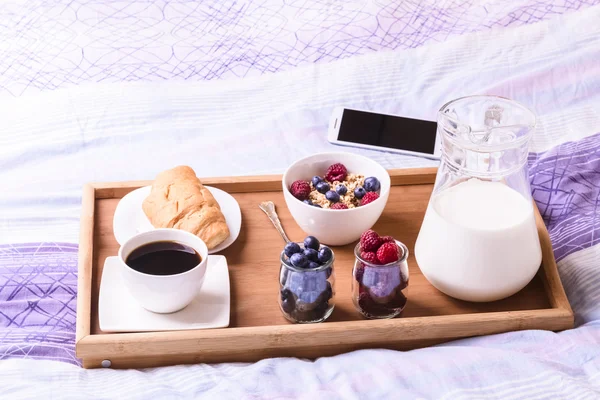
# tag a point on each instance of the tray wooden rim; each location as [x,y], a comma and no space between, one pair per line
[213,341]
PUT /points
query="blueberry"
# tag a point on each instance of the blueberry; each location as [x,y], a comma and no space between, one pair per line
[332,196]
[320,310]
[287,301]
[359,192]
[322,187]
[372,184]
[310,203]
[326,294]
[328,291]
[311,254]
[328,272]
[325,255]
[341,189]
[299,260]
[287,306]
[313,265]
[311,242]
[286,294]
[316,180]
[291,248]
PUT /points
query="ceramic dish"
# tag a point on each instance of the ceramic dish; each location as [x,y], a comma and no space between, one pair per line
[335,227]
[129,218]
[118,311]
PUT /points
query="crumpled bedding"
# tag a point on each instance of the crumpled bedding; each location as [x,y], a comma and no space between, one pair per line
[57,136]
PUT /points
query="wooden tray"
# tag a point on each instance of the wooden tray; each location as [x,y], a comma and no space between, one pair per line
[258,330]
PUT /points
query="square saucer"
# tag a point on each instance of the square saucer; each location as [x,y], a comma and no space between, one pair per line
[118,311]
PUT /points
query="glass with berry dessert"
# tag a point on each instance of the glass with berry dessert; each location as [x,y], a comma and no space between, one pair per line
[306,281]
[380,276]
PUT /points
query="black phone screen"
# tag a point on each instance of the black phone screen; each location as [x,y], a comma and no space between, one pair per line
[387,131]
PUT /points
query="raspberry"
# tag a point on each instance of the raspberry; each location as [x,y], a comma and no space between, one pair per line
[385,239]
[300,189]
[369,240]
[358,274]
[369,198]
[336,172]
[387,253]
[370,257]
[338,206]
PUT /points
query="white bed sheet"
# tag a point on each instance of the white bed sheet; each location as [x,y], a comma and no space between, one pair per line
[552,66]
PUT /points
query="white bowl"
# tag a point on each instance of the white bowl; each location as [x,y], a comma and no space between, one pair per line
[335,227]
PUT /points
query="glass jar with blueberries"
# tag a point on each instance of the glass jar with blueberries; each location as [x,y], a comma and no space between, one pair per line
[307,281]
[380,276]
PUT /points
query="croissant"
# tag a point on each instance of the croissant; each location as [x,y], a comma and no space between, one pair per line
[178,200]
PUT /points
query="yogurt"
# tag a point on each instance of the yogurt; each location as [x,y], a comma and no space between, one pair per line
[478,241]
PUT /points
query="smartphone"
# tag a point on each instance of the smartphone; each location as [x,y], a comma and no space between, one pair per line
[369,130]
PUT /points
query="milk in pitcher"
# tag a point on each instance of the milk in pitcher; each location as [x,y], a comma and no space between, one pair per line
[479,241]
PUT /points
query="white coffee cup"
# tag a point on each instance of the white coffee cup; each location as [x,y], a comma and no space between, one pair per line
[164,293]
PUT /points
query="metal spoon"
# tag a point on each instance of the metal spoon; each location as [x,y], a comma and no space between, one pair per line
[269,208]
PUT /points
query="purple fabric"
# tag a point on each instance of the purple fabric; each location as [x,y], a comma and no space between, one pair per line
[59,44]
[38,292]
[565,186]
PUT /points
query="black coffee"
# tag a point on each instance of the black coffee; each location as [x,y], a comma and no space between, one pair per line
[163,258]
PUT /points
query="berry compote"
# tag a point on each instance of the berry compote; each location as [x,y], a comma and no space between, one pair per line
[379,290]
[306,281]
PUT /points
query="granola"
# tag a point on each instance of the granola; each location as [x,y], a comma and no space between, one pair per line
[351,182]
[337,190]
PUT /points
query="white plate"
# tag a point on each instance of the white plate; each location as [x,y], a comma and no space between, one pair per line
[118,311]
[130,219]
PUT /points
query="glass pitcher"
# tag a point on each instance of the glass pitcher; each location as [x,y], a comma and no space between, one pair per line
[478,240]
